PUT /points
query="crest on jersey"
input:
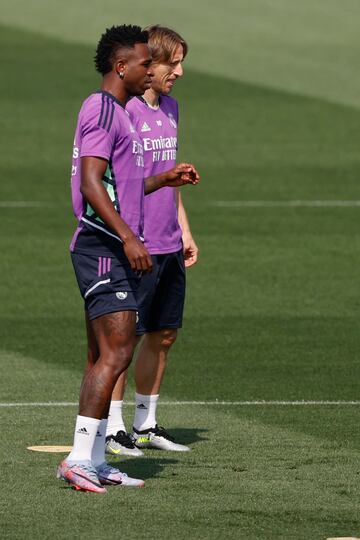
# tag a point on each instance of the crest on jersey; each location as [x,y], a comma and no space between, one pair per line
[121,295]
[172,121]
[145,127]
[159,123]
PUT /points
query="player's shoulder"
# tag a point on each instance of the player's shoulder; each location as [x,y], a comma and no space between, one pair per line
[168,102]
[101,108]
[92,104]
[135,104]
[169,106]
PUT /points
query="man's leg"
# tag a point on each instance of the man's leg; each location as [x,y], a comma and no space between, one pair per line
[160,298]
[118,441]
[151,360]
[115,338]
[149,372]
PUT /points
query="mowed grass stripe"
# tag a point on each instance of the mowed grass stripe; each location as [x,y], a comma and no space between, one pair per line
[224,204]
[286,204]
[24,204]
[262,403]
[316,51]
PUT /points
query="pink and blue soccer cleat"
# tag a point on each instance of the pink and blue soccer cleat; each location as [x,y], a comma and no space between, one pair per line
[81,475]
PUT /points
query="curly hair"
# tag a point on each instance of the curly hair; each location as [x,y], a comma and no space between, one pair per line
[163,42]
[113,39]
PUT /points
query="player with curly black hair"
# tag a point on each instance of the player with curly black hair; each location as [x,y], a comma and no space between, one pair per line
[107,249]
[114,39]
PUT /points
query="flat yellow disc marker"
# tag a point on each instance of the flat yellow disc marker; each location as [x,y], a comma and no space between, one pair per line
[53,449]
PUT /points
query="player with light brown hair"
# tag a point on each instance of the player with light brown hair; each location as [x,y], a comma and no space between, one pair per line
[169,241]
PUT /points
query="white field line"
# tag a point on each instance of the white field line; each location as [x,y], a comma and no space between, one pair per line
[286,204]
[262,403]
[23,204]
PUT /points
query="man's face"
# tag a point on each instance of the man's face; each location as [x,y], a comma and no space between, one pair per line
[165,75]
[138,70]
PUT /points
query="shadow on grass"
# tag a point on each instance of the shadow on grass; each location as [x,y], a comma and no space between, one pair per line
[147,467]
[188,435]
[151,466]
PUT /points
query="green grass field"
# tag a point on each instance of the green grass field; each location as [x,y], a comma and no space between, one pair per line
[273,306]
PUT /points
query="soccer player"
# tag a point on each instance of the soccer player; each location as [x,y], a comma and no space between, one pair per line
[170,243]
[107,252]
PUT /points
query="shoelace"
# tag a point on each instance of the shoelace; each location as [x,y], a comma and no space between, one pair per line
[161,432]
[124,439]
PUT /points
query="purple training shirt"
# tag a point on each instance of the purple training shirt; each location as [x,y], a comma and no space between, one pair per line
[158,131]
[104,130]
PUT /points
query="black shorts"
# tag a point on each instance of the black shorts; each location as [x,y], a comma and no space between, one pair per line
[161,294]
[107,284]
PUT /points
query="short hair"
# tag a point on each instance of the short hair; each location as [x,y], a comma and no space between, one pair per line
[163,42]
[113,39]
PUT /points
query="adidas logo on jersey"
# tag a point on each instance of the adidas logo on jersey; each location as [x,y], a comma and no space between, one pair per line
[145,127]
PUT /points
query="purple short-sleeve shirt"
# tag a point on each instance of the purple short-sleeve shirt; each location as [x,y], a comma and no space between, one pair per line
[157,129]
[105,130]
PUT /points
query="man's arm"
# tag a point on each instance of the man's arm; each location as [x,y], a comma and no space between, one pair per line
[92,188]
[190,248]
[182,174]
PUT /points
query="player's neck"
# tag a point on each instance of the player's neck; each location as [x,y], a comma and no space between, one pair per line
[113,88]
[152,98]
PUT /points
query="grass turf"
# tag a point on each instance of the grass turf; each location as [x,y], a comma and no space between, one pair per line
[283,473]
[272,313]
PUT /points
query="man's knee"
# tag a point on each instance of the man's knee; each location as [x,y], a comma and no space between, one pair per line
[167,337]
[119,359]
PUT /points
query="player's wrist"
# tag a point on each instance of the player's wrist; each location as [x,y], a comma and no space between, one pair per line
[162,179]
[127,237]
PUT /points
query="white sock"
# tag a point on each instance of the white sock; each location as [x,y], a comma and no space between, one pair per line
[115,419]
[84,438]
[145,411]
[98,451]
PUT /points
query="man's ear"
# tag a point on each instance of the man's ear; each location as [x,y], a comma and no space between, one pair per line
[120,67]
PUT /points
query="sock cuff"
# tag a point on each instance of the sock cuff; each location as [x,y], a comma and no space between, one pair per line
[116,404]
[88,420]
[149,399]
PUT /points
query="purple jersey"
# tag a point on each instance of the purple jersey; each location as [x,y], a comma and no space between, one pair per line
[158,131]
[104,130]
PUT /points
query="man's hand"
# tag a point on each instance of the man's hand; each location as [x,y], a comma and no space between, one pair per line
[190,250]
[184,173]
[138,256]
